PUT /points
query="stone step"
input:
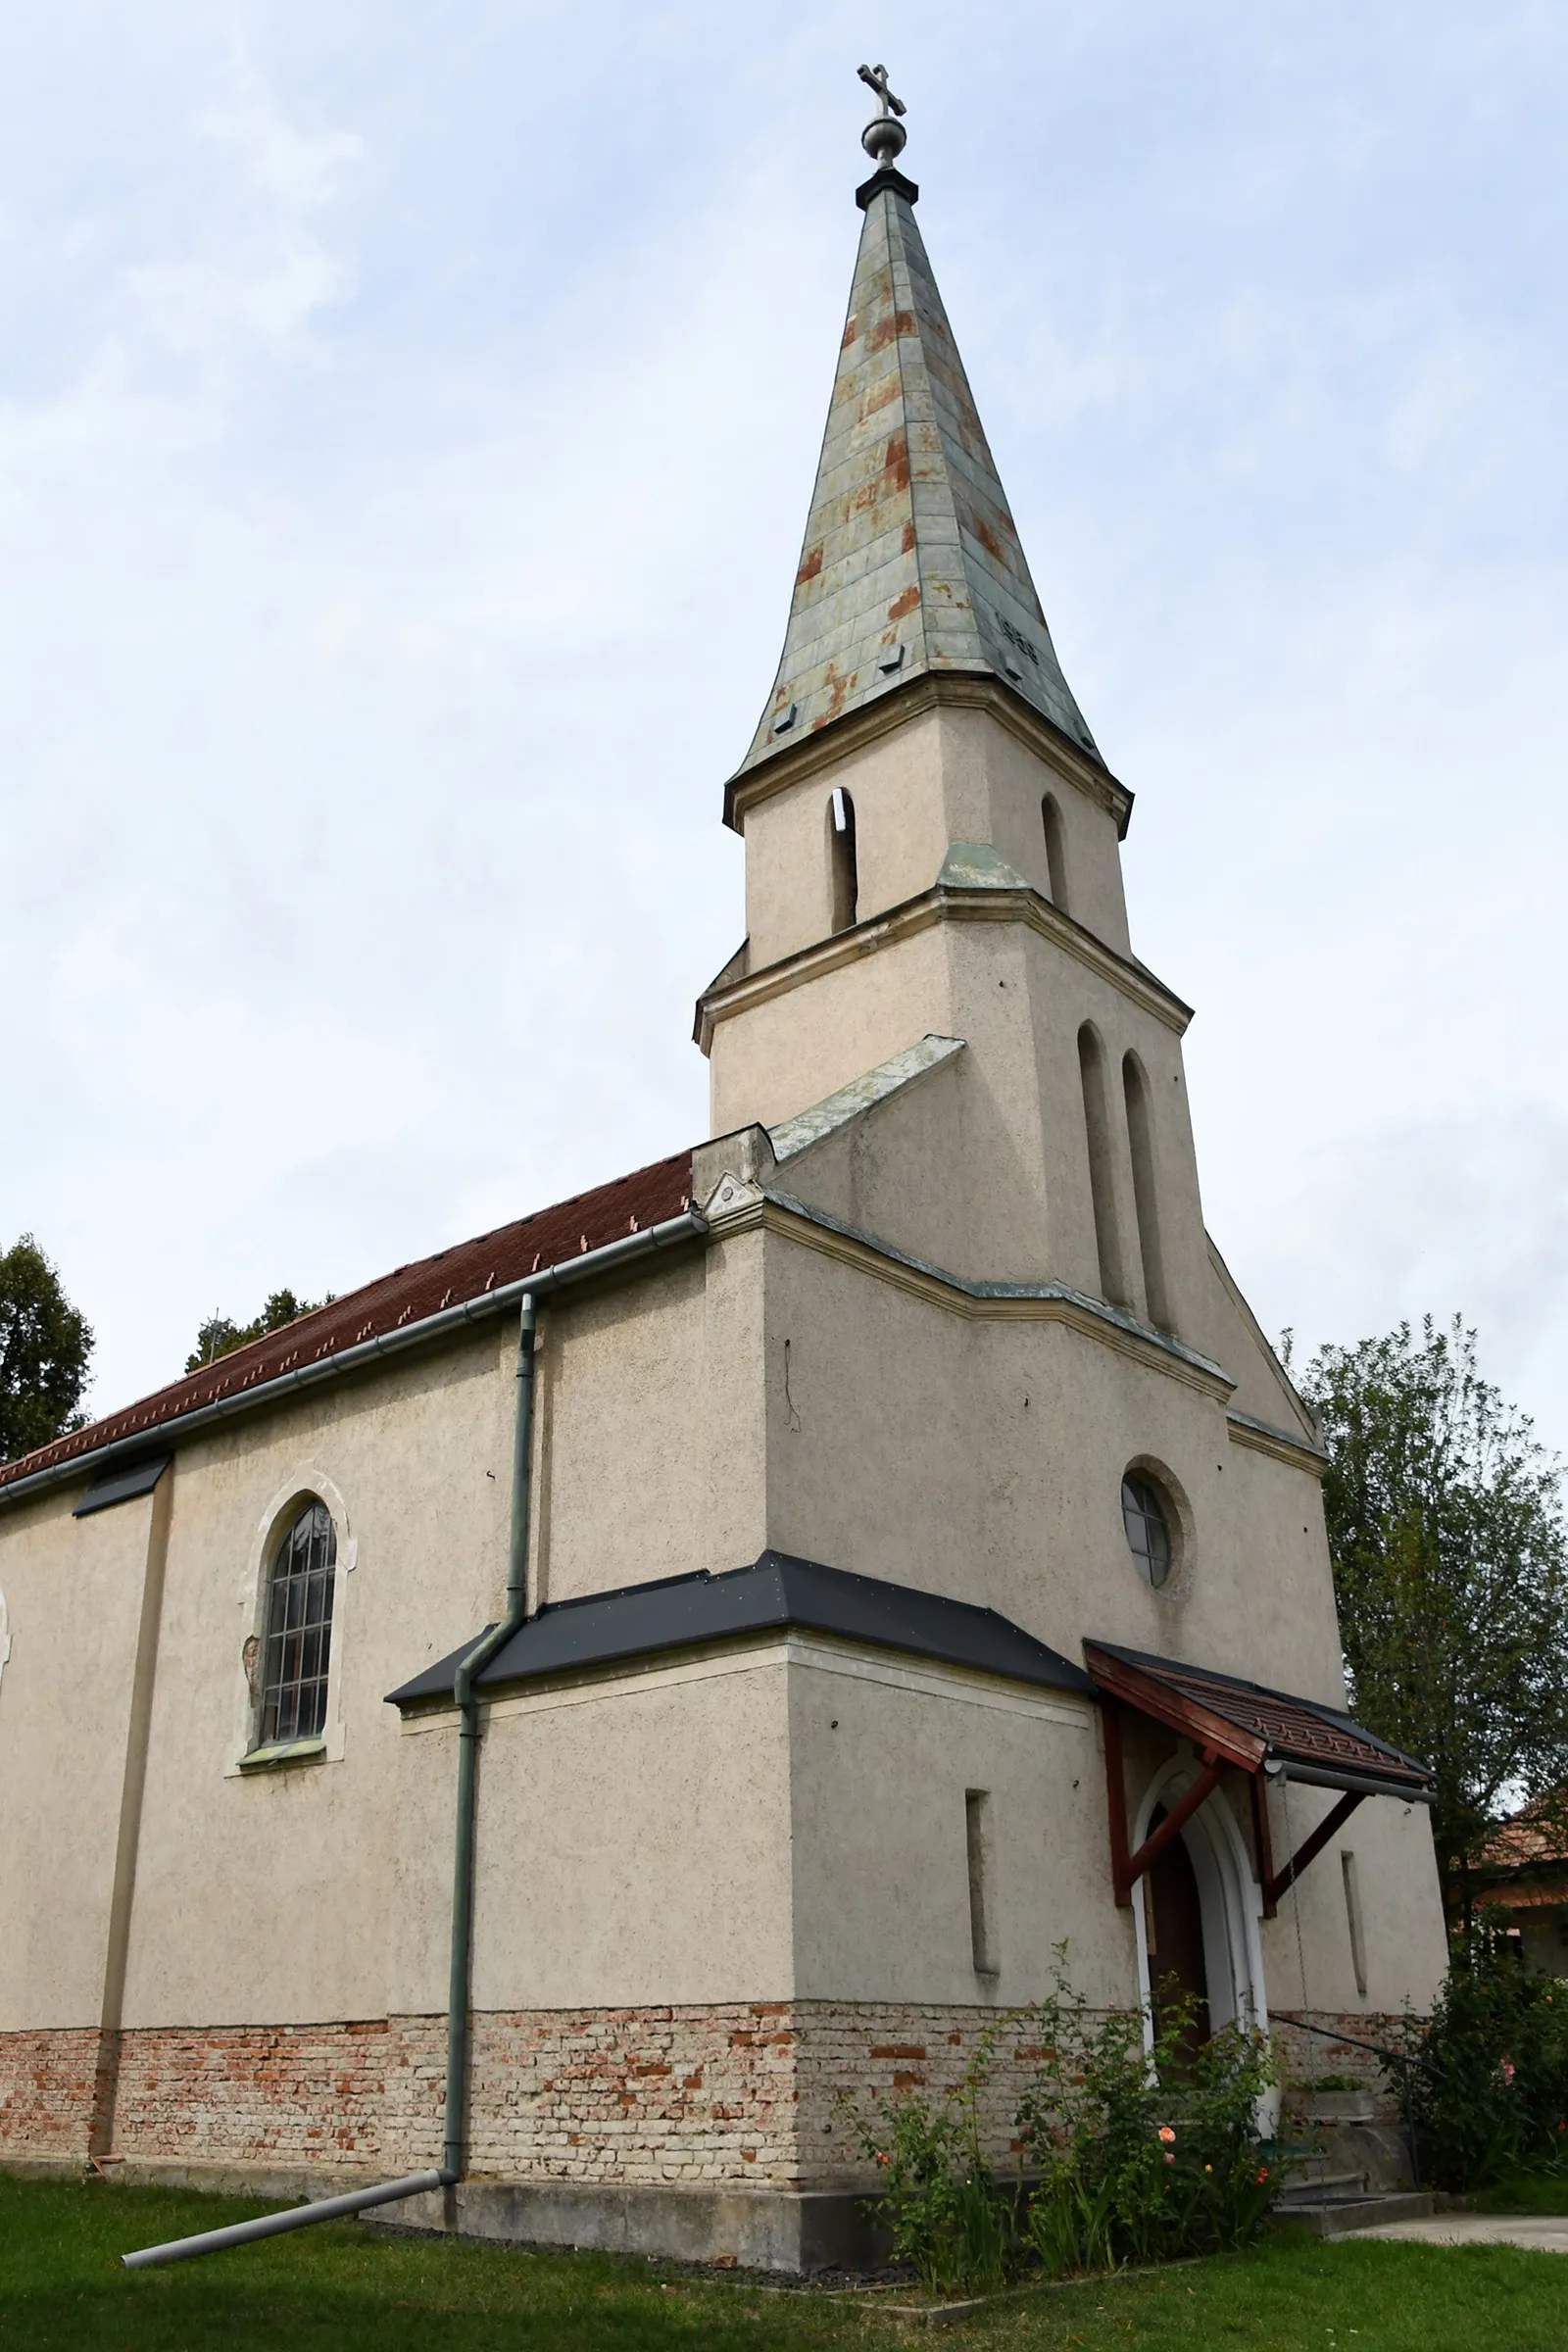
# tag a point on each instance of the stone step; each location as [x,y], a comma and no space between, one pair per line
[1337,2217]
[1318,2181]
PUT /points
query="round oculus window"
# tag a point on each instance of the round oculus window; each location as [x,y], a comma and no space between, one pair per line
[1143,1515]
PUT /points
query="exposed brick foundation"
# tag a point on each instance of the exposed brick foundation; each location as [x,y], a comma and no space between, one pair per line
[748,2092]
[360,2095]
[47,2083]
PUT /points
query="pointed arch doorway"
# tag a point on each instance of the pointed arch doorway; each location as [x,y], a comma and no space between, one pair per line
[1203,1903]
[1234,1727]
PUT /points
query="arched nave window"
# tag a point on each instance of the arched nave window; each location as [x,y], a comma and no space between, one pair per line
[297,1647]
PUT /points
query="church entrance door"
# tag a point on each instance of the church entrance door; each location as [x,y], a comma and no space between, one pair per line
[1196,1916]
[1173,1923]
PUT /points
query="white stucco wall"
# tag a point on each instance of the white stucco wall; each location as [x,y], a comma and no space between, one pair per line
[73,1591]
[650,1403]
[885,1750]
[635,1841]
[267,1895]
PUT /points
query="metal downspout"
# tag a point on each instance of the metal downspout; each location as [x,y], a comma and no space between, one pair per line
[671,1232]
[469,1736]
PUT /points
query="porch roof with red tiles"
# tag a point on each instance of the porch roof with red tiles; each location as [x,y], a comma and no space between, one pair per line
[1251,1724]
[451,1278]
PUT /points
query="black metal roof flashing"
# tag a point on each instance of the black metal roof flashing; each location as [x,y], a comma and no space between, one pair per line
[774,1592]
[123,1483]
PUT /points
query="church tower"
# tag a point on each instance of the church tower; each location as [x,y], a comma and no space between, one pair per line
[932,837]
[1002,1360]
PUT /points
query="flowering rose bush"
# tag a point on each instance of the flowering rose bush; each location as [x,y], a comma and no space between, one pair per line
[1143,2154]
[1138,2154]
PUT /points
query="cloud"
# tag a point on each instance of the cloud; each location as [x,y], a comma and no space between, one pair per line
[266,270]
[1465,1214]
[403,455]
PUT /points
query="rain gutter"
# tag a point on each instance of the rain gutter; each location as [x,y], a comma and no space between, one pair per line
[1363,1784]
[687,1227]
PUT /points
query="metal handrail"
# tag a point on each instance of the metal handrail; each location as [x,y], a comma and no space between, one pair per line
[1400,2058]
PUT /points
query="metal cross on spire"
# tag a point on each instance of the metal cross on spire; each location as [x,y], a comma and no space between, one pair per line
[883,139]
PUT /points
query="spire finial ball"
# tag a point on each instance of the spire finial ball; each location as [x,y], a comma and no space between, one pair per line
[884,137]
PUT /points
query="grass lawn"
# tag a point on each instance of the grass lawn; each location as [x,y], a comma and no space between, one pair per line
[338,2288]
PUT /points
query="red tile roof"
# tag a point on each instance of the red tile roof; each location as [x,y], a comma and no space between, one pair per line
[1527,1898]
[1271,1723]
[1536,1834]
[587,1222]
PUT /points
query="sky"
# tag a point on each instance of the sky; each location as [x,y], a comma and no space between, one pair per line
[407,419]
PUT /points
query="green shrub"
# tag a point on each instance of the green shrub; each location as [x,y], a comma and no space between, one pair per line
[1485,2083]
[950,2221]
[1139,2155]
[1143,2155]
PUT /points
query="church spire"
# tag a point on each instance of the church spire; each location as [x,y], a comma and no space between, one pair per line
[911,561]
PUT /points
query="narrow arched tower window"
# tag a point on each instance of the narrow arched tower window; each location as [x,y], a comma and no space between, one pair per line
[1055,851]
[1146,1191]
[844,872]
[1101,1177]
[297,1651]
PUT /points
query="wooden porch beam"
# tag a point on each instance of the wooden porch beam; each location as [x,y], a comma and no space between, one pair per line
[1203,1726]
[1310,1847]
[1175,1821]
[1262,1841]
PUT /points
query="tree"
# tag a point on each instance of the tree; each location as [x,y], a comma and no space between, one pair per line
[44,1347]
[218,1336]
[1451,1570]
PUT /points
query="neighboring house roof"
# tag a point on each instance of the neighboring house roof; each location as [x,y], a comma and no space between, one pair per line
[911,561]
[466,1272]
[776,1592]
[1510,1896]
[1252,1725]
[1534,1839]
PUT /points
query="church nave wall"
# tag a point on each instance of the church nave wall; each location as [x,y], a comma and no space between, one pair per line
[262,1896]
[73,1594]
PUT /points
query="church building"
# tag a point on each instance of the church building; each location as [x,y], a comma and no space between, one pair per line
[577,1709]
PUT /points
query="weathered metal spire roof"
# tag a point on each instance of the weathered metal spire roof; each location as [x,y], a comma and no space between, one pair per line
[911,562]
